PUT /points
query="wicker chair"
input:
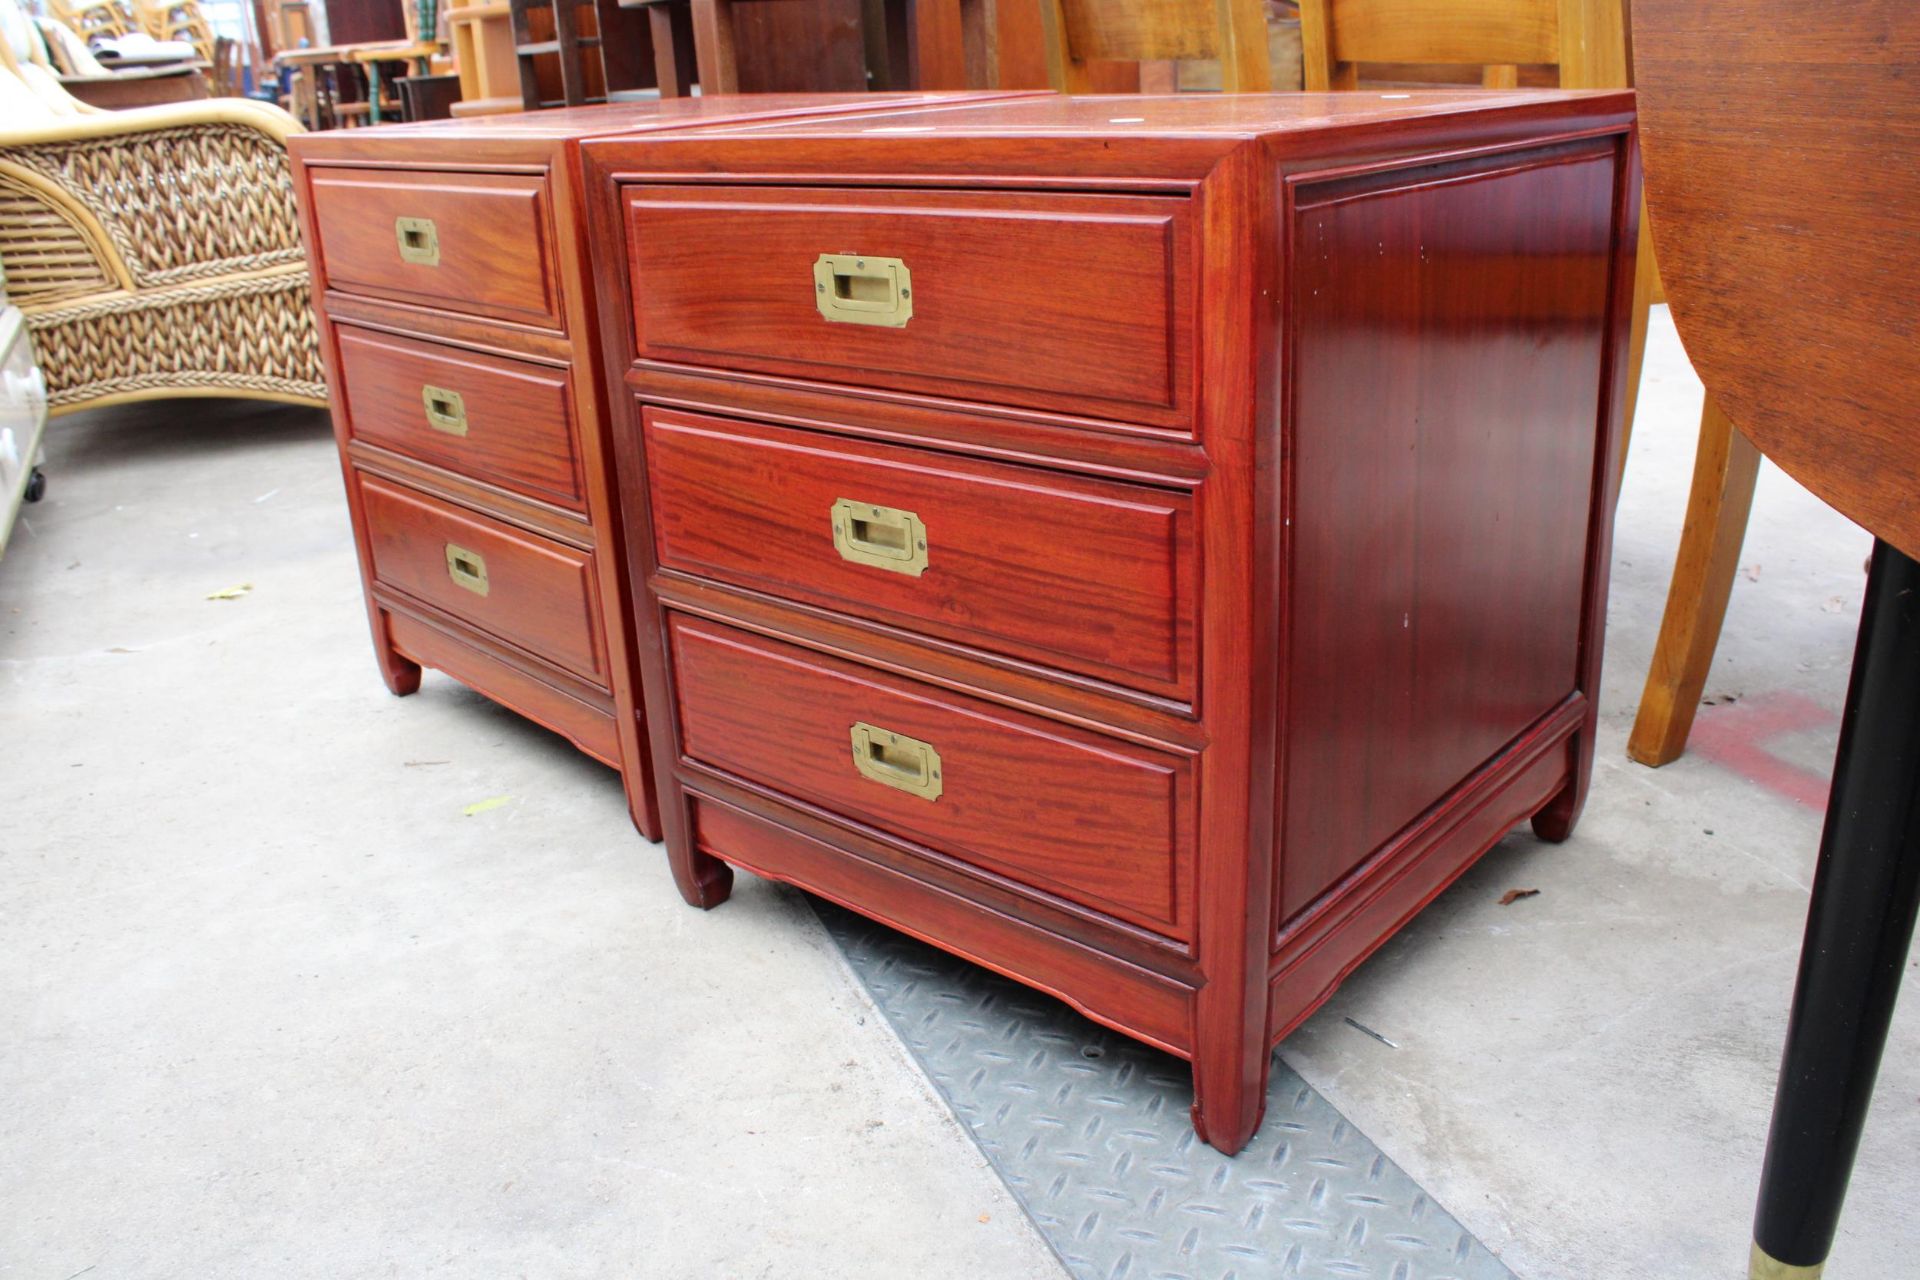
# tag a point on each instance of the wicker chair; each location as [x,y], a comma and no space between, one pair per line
[155,252]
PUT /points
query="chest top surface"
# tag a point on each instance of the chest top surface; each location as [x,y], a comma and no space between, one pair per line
[1176,137]
[453,140]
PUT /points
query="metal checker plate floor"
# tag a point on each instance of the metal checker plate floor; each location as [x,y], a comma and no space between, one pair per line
[1090,1130]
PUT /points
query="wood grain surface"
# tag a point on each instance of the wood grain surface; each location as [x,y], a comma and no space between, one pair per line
[1442,449]
[1783,182]
[518,415]
[495,234]
[1102,823]
[541,595]
[1406,362]
[1112,563]
[1080,302]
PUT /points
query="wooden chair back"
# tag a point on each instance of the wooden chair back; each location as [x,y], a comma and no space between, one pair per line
[1081,31]
[1584,40]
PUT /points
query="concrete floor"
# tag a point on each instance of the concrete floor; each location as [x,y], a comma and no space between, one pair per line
[271,1003]
[1584,1078]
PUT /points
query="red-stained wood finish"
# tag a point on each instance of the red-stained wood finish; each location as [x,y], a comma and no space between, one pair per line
[516,417]
[1067,812]
[753,506]
[1418,490]
[470,409]
[494,237]
[1057,301]
[528,591]
[1264,438]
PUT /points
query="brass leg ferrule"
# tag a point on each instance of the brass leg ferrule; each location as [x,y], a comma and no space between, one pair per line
[1762,1267]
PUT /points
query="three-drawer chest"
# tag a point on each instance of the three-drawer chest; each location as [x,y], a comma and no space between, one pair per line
[458,327]
[1148,546]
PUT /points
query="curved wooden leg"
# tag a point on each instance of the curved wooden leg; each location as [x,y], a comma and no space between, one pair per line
[642,809]
[1229,1097]
[703,880]
[1724,472]
[1232,1052]
[1556,819]
[401,673]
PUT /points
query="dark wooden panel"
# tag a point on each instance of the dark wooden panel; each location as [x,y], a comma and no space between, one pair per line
[540,595]
[518,416]
[1077,302]
[816,47]
[1449,341]
[751,505]
[365,21]
[1095,820]
[494,231]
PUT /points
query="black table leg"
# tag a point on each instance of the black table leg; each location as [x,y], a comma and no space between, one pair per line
[1865,889]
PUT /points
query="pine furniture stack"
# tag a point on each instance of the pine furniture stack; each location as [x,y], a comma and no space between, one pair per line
[1148,546]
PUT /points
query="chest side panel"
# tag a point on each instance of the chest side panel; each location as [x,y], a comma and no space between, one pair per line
[1449,325]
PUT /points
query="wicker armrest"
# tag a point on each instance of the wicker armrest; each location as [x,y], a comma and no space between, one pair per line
[242,112]
[155,197]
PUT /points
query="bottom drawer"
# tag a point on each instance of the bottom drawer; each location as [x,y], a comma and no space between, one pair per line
[1099,822]
[530,591]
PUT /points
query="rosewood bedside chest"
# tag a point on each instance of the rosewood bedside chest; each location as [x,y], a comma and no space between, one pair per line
[458,330]
[1148,546]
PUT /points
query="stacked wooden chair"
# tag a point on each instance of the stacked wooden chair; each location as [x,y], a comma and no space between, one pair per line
[179,20]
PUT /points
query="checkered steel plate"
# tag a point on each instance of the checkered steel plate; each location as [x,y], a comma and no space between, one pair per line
[1090,1131]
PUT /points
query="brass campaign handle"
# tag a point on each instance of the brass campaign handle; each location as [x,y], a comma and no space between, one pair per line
[446,410]
[897,761]
[883,537]
[467,569]
[853,288]
[419,241]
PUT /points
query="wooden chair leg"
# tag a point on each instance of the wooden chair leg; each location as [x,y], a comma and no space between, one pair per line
[1724,472]
[674,59]
[714,48]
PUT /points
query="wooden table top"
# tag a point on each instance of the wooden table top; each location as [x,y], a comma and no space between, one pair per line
[1783,180]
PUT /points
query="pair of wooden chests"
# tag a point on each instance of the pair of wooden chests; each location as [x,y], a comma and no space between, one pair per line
[1147,546]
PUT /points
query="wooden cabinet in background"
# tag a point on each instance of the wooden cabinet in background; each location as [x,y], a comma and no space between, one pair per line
[1148,546]
[458,328]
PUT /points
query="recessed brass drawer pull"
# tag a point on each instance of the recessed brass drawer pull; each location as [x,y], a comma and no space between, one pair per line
[419,241]
[895,760]
[884,537]
[851,288]
[467,569]
[446,410]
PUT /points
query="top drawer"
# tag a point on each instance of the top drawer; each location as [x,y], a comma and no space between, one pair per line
[1069,302]
[481,243]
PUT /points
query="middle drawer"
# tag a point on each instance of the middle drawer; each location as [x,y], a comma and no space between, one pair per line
[504,421]
[1087,575]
